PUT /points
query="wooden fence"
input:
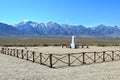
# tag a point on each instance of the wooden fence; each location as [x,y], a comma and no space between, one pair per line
[61,60]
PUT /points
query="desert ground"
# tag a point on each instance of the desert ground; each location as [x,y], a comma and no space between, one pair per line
[12,68]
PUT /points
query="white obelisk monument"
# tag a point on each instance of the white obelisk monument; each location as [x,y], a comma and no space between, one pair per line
[73,45]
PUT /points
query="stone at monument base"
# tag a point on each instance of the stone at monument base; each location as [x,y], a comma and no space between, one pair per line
[73,46]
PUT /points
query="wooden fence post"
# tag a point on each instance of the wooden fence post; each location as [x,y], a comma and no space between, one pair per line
[33,56]
[22,54]
[94,57]
[103,56]
[40,58]
[27,55]
[69,60]
[84,58]
[5,50]
[14,52]
[112,55]
[51,61]
[17,54]
[2,49]
[8,51]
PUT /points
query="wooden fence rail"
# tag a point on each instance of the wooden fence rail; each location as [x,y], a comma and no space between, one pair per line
[60,60]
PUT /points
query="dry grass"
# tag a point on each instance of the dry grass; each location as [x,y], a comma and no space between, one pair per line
[51,41]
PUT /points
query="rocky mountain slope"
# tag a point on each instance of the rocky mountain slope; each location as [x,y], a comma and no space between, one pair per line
[55,29]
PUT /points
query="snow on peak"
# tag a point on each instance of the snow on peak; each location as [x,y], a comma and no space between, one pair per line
[24,21]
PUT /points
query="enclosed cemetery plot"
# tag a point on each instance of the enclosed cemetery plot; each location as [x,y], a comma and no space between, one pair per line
[62,60]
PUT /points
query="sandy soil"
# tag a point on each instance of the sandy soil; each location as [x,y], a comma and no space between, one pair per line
[12,68]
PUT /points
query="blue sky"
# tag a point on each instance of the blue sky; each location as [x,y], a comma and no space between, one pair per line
[73,12]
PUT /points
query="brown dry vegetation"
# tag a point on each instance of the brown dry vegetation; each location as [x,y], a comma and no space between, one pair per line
[51,41]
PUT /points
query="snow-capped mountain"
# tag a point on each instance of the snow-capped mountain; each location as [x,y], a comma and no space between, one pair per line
[53,28]
[50,28]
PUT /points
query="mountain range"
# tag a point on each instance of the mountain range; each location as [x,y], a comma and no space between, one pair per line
[30,28]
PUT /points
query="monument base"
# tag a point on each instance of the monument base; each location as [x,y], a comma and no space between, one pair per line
[73,46]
